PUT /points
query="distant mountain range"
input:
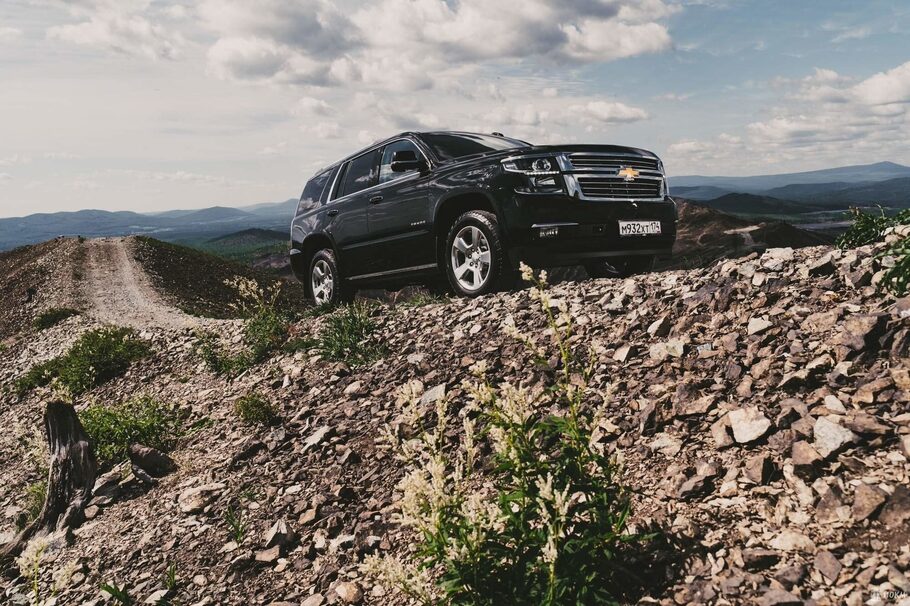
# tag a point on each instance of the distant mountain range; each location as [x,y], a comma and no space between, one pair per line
[174,226]
[797,195]
[810,197]
[880,171]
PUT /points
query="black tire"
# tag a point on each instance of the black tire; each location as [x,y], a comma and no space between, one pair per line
[620,267]
[340,290]
[497,269]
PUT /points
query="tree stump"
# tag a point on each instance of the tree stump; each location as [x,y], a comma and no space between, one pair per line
[72,474]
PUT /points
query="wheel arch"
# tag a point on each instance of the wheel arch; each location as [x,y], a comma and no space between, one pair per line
[452,207]
[312,244]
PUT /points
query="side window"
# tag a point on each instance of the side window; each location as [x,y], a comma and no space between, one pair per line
[359,174]
[312,193]
[385,169]
[327,191]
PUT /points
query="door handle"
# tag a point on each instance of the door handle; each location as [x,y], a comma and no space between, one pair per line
[375,199]
[333,212]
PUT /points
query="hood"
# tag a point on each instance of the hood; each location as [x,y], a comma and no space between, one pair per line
[592,148]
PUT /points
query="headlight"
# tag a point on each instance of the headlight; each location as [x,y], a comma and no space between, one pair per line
[532,166]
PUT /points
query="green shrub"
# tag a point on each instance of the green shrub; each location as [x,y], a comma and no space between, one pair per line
[265,330]
[142,420]
[255,409]
[349,335]
[53,316]
[97,357]
[896,259]
[868,227]
[545,527]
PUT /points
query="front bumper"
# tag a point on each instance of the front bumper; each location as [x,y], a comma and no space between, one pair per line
[588,229]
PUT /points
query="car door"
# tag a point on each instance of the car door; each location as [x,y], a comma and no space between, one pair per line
[399,215]
[347,211]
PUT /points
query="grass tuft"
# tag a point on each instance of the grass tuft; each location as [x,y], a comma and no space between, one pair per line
[255,409]
[53,316]
[349,335]
[33,501]
[421,298]
[97,357]
[236,523]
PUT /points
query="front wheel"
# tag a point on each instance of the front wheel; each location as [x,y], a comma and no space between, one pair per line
[475,256]
[326,285]
[620,267]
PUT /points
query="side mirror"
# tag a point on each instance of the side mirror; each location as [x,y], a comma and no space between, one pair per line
[405,160]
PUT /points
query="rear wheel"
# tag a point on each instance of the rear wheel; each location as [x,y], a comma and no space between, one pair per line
[475,257]
[620,267]
[326,284]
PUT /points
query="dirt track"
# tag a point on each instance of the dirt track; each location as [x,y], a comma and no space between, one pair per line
[118,291]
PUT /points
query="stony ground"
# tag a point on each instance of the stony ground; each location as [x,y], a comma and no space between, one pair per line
[759,408]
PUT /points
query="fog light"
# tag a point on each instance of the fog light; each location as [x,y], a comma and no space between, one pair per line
[549,232]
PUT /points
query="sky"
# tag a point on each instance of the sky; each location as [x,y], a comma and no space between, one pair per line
[150,105]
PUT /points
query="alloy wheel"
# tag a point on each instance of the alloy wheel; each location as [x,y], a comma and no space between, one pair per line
[322,282]
[471,258]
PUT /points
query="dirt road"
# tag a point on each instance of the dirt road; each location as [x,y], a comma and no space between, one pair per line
[118,291]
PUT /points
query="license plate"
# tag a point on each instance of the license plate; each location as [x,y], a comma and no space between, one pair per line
[639,228]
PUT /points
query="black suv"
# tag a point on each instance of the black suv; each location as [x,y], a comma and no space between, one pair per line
[463,209]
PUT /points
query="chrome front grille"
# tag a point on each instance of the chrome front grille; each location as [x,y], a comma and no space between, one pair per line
[611,162]
[617,187]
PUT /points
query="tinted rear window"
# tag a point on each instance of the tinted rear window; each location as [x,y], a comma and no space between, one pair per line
[451,145]
[312,193]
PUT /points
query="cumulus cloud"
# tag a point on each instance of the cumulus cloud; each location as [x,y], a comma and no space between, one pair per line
[273,150]
[121,27]
[594,40]
[8,34]
[309,106]
[609,112]
[829,117]
[415,44]
[892,86]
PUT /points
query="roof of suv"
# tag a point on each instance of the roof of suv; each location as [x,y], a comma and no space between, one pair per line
[406,133]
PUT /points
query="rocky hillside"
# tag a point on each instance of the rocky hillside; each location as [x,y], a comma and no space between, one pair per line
[758,408]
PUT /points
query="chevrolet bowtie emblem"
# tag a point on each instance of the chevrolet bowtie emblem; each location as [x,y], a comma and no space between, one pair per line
[628,173]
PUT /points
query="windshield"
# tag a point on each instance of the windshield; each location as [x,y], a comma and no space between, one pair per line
[449,146]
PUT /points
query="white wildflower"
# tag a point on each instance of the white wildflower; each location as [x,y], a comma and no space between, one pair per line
[412,581]
[527,273]
[29,561]
[470,448]
[479,368]
[550,552]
